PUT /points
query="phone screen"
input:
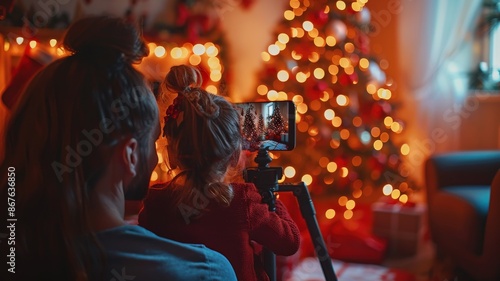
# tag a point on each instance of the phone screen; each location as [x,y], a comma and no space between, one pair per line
[269,125]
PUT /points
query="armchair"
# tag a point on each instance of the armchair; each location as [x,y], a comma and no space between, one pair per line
[463,197]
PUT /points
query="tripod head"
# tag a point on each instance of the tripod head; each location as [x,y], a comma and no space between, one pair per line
[264,177]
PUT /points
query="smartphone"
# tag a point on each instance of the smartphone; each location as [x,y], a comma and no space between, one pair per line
[268,124]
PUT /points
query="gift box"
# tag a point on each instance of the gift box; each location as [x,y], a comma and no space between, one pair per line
[402,226]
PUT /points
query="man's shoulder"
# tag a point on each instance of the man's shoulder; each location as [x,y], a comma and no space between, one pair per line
[145,253]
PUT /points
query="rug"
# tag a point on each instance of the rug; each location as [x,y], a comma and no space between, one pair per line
[309,269]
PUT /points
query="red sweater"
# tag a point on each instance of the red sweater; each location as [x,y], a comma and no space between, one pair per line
[228,230]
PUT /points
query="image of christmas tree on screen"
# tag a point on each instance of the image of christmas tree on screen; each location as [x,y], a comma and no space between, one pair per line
[349,138]
[265,125]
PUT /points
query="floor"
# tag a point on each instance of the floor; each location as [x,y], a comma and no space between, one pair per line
[422,264]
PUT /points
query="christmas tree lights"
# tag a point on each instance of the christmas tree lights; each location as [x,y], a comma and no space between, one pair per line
[346,144]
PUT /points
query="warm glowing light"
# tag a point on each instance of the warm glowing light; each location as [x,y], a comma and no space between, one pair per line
[384,137]
[395,194]
[405,149]
[330,214]
[344,62]
[307,25]
[265,56]
[378,144]
[375,131]
[313,33]
[319,42]
[323,161]
[19,40]
[348,214]
[215,76]
[289,172]
[357,193]
[350,204]
[262,90]
[333,69]
[403,198]
[337,121]
[313,57]
[319,73]
[371,88]
[32,44]
[272,95]
[283,75]
[212,51]
[395,127]
[283,38]
[273,50]
[298,99]
[384,93]
[329,114]
[349,47]
[313,131]
[295,4]
[342,200]
[342,100]
[344,134]
[160,51]
[364,63]
[356,6]
[60,51]
[388,121]
[340,5]
[331,41]
[52,42]
[212,89]
[356,161]
[198,49]
[154,176]
[302,108]
[280,45]
[344,172]
[176,53]
[357,121]
[332,167]
[289,15]
[307,179]
[282,95]
[160,157]
[301,77]
[387,189]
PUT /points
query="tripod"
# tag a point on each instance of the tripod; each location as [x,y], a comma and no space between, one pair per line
[265,179]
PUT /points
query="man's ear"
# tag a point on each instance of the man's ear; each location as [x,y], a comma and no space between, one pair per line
[130,156]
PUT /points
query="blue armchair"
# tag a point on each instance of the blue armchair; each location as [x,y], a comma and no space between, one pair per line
[463,197]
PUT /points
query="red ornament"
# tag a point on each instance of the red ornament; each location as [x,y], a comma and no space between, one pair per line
[363,43]
[345,80]
[376,111]
[318,18]
[316,91]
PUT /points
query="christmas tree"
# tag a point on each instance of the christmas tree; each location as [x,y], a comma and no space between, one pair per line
[249,129]
[276,125]
[261,131]
[346,132]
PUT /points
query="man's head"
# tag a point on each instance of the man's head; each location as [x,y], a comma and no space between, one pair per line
[73,118]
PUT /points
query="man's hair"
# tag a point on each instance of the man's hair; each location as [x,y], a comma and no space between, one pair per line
[59,141]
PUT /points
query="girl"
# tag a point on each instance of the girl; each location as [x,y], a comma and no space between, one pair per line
[200,205]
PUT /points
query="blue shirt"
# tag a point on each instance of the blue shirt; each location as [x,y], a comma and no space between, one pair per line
[134,253]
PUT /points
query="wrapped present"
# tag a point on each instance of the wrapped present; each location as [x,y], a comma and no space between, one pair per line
[402,226]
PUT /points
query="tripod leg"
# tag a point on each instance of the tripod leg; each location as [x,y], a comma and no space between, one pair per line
[309,214]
